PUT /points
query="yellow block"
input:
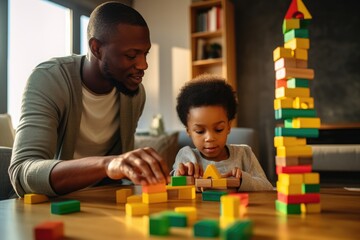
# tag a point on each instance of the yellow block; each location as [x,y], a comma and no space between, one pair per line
[134,199]
[32,198]
[190,212]
[212,172]
[302,8]
[288,141]
[281,52]
[294,151]
[288,189]
[306,122]
[230,206]
[122,195]
[283,103]
[311,178]
[136,209]
[291,24]
[154,197]
[187,193]
[289,179]
[300,53]
[303,103]
[296,43]
[310,207]
[219,183]
[283,92]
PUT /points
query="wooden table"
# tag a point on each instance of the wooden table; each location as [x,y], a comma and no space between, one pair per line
[102,218]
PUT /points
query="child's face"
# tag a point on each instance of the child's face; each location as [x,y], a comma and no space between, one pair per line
[208,127]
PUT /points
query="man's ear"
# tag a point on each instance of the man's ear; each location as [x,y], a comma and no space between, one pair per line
[95,47]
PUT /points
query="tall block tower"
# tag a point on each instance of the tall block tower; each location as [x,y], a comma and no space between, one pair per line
[298,188]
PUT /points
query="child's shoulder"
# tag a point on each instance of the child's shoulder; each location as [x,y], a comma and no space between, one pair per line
[239,149]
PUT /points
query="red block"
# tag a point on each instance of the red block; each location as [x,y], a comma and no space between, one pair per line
[49,231]
[299,198]
[294,169]
[244,198]
[281,83]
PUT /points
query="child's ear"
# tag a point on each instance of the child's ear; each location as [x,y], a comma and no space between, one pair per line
[229,126]
[187,132]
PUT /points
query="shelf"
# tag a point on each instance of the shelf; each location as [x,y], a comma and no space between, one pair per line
[209,61]
[213,34]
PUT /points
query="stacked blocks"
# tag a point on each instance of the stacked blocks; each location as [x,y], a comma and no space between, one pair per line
[155,193]
[298,188]
[181,188]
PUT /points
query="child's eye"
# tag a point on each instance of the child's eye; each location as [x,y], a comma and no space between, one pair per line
[219,130]
[199,131]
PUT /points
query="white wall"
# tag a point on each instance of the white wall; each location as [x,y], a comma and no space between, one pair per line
[169,58]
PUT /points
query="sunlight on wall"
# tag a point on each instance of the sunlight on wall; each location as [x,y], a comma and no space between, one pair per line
[31,41]
[84,21]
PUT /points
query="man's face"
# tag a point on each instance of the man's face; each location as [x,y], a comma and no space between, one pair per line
[123,59]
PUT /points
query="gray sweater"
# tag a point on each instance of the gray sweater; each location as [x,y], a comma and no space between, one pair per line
[50,121]
[241,156]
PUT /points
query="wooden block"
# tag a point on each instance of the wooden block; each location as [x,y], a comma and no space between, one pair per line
[285,113]
[284,92]
[230,206]
[239,229]
[299,198]
[297,132]
[219,183]
[159,225]
[301,63]
[201,182]
[294,169]
[306,122]
[64,207]
[301,54]
[244,198]
[296,43]
[53,230]
[287,208]
[297,10]
[210,195]
[211,172]
[310,207]
[293,161]
[190,180]
[291,179]
[154,188]
[207,228]
[303,103]
[187,193]
[232,182]
[297,83]
[178,181]
[32,198]
[311,178]
[281,83]
[136,209]
[289,189]
[122,195]
[289,24]
[134,199]
[288,73]
[154,197]
[288,141]
[173,194]
[310,188]
[190,212]
[176,219]
[296,33]
[281,52]
[284,63]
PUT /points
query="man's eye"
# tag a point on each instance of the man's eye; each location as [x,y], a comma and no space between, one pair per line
[131,56]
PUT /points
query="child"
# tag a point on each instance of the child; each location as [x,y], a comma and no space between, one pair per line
[206,106]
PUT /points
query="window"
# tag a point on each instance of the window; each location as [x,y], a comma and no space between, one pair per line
[84,20]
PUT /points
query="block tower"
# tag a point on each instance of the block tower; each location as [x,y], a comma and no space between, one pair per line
[298,188]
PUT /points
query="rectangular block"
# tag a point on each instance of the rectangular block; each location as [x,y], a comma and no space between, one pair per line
[281,52]
[207,228]
[299,198]
[294,169]
[310,188]
[187,193]
[154,197]
[288,73]
[239,229]
[297,132]
[306,123]
[178,181]
[303,103]
[288,141]
[281,83]
[176,219]
[283,103]
[289,189]
[190,212]
[310,207]
[287,208]
[122,195]
[296,43]
[32,198]
[293,161]
[230,206]
[244,198]
[201,182]
[154,188]
[311,178]
[65,207]
[232,182]
[134,199]
[296,33]
[159,225]
[136,209]
[212,195]
[284,62]
[289,24]
[283,92]
[301,54]
[297,83]
[190,180]
[53,230]
[219,183]
[285,113]
[290,179]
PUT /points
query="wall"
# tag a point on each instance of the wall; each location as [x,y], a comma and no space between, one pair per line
[334,55]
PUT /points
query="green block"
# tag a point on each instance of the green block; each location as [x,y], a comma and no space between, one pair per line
[159,225]
[176,219]
[285,113]
[212,195]
[310,188]
[178,181]
[287,208]
[288,123]
[206,228]
[240,229]
[304,23]
[296,33]
[65,207]
[297,82]
[297,132]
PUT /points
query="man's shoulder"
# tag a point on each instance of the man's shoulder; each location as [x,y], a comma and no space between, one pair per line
[71,60]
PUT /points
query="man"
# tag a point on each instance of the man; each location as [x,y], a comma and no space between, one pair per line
[79,114]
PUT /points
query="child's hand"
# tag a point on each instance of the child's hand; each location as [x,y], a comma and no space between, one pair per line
[236,172]
[189,169]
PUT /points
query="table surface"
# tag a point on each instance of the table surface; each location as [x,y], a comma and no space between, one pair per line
[102,218]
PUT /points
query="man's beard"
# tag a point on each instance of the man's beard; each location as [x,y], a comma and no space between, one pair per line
[119,85]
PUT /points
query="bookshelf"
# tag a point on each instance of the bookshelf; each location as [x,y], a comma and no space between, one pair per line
[213,39]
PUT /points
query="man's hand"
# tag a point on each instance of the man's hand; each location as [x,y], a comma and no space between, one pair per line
[142,166]
[189,169]
[236,172]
